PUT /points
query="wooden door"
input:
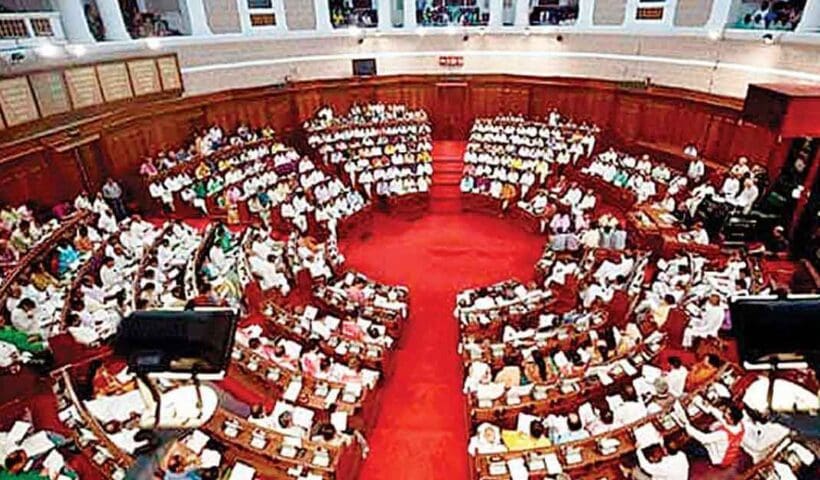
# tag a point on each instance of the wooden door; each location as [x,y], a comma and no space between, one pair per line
[450,115]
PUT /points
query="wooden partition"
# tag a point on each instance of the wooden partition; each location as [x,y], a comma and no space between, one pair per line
[57,157]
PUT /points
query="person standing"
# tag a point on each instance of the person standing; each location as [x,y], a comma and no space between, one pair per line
[112,192]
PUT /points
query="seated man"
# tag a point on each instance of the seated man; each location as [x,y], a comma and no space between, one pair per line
[709,323]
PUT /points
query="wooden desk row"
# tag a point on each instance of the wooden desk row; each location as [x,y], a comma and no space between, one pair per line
[110,461]
[263,375]
[561,396]
[67,226]
[581,457]
[272,455]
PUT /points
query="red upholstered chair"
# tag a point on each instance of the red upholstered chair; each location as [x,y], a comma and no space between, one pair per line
[674,327]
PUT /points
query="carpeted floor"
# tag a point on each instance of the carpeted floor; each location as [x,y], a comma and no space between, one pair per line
[421,432]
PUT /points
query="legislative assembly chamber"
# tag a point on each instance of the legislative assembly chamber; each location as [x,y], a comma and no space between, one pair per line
[409,239]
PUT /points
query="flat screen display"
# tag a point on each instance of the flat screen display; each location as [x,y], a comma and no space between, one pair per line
[766,327]
[177,342]
[364,67]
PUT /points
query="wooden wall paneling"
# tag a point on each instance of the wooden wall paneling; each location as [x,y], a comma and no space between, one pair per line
[627,116]
[280,113]
[389,94]
[63,174]
[420,96]
[307,103]
[41,177]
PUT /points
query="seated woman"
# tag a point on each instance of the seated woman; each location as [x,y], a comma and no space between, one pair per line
[68,258]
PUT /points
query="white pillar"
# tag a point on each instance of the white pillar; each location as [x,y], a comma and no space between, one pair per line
[385,14]
[810,21]
[322,9]
[719,15]
[586,8]
[75,25]
[197,18]
[409,14]
[111,16]
[522,13]
[631,11]
[496,13]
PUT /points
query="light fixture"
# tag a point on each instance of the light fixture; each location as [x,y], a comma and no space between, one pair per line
[48,50]
[714,35]
[377,33]
[77,50]
[482,31]
[527,31]
[421,32]
[768,39]
[153,43]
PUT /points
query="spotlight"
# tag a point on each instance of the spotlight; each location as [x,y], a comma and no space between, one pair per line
[527,31]
[482,31]
[559,38]
[377,33]
[153,43]
[768,39]
[77,50]
[714,35]
[465,38]
[48,50]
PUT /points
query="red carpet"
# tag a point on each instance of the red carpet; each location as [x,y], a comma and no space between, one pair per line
[421,432]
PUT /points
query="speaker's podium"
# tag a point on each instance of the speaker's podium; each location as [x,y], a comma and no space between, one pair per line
[170,351]
[790,110]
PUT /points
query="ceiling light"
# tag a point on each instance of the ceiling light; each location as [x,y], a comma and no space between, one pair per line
[77,50]
[48,50]
[714,35]
[527,31]
[153,43]
[768,39]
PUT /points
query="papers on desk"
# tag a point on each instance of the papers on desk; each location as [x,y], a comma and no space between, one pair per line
[292,392]
[553,464]
[18,431]
[196,441]
[628,368]
[37,444]
[783,471]
[646,435]
[804,454]
[240,471]
[518,469]
[339,421]
[54,463]
[210,458]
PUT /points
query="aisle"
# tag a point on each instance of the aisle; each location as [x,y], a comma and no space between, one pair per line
[421,432]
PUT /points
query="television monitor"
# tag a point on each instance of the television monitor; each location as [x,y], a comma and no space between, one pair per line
[364,67]
[782,329]
[177,343]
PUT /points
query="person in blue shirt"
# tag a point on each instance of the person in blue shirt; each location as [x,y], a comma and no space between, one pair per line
[67,257]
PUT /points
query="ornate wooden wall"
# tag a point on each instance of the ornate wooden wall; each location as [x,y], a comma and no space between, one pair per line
[52,161]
